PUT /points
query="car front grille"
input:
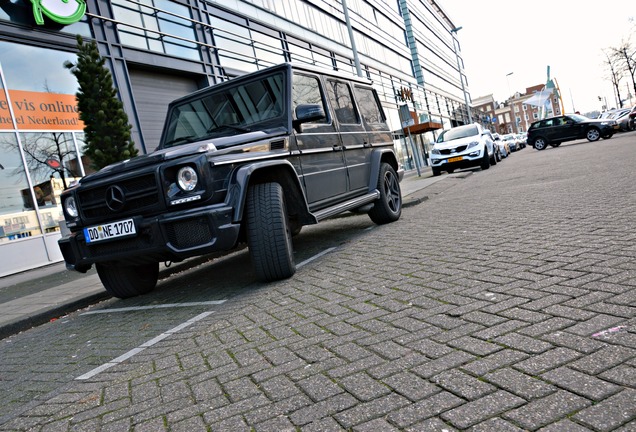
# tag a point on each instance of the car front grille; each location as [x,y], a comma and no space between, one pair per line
[139,192]
[458,149]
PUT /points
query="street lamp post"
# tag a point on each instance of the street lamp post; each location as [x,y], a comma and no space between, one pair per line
[510,97]
[461,75]
[508,80]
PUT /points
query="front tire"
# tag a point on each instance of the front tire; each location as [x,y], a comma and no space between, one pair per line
[388,207]
[485,161]
[593,134]
[124,281]
[269,233]
[540,143]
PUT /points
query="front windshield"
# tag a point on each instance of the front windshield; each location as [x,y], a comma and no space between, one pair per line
[578,118]
[243,108]
[457,133]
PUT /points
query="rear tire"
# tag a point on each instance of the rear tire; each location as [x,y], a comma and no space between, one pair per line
[269,233]
[388,207]
[124,281]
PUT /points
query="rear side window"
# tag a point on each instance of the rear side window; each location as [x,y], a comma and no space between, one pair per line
[342,101]
[369,108]
[306,90]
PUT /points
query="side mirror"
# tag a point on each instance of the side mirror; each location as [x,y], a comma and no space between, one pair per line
[308,112]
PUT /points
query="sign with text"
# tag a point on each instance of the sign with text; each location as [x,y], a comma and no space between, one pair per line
[40,111]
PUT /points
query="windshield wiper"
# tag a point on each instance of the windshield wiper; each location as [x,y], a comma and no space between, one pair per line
[229,126]
[188,138]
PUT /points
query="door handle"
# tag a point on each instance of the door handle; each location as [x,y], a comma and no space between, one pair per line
[338,148]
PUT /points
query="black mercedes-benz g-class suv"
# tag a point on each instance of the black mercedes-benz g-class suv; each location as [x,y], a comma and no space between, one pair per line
[250,160]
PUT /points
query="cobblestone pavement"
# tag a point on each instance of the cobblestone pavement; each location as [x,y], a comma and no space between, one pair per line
[504,302]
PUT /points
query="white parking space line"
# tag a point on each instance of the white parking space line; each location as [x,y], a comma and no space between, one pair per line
[308,260]
[142,347]
[163,306]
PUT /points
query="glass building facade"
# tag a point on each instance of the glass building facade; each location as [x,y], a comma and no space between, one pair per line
[158,50]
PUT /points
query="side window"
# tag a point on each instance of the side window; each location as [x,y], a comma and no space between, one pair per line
[369,108]
[342,102]
[306,90]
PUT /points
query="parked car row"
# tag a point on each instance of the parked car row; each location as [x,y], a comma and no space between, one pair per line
[555,130]
[469,146]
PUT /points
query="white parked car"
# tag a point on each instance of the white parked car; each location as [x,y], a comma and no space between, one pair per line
[463,147]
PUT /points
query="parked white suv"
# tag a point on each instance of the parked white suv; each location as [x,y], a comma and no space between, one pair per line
[463,147]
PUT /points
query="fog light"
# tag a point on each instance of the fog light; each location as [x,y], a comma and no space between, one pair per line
[187,179]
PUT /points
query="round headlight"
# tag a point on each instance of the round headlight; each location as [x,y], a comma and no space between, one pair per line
[187,179]
[71,207]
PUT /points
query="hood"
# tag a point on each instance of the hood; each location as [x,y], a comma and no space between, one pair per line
[202,146]
[456,142]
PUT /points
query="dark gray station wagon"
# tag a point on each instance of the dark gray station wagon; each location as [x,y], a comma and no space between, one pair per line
[250,160]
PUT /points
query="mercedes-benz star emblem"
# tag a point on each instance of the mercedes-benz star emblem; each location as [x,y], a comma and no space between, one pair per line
[115,198]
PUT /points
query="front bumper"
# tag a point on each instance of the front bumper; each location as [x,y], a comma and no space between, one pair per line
[457,161]
[168,237]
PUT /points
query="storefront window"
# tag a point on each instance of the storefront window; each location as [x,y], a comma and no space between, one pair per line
[17,217]
[40,142]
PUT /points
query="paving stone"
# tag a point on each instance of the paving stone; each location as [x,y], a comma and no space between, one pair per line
[564,426]
[424,409]
[524,343]
[366,411]
[363,387]
[500,329]
[278,424]
[475,346]
[603,359]
[524,314]
[278,388]
[319,387]
[596,324]
[322,409]
[495,425]
[448,361]
[550,409]
[578,343]
[430,348]
[377,425]
[520,384]
[463,385]
[548,326]
[581,383]
[547,360]
[411,386]
[241,389]
[623,374]
[278,409]
[407,362]
[611,412]
[327,424]
[431,425]
[494,361]
[482,409]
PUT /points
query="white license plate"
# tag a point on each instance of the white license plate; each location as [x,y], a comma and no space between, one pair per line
[109,231]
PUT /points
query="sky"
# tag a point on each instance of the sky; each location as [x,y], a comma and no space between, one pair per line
[523,38]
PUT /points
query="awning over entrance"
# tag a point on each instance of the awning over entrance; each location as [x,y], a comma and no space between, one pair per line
[423,127]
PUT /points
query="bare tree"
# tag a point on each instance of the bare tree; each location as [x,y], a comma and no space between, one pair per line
[615,73]
[41,149]
[624,57]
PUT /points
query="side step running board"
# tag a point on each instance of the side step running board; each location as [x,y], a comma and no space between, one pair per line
[347,205]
